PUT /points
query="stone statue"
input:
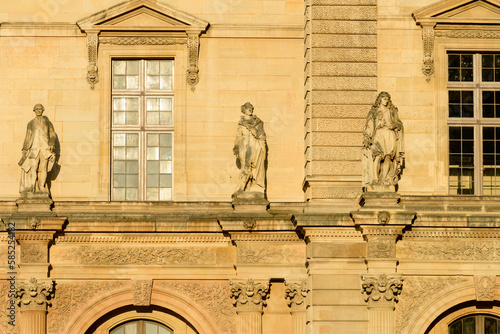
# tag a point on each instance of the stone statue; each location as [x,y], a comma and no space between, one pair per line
[38,153]
[250,150]
[383,151]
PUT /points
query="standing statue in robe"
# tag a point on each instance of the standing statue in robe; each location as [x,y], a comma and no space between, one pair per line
[250,150]
[383,151]
[38,153]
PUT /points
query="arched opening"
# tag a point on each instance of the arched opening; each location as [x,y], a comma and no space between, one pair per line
[468,318]
[141,320]
[141,327]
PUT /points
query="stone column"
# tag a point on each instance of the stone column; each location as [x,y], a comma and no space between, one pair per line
[249,297]
[33,298]
[381,293]
[295,293]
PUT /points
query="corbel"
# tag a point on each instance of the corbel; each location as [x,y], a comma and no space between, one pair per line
[428,46]
[193,44]
[92,46]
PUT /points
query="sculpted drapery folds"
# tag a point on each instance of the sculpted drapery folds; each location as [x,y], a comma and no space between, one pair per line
[38,153]
[250,150]
[383,151]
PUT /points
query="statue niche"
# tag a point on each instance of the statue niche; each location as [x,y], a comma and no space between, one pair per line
[38,155]
[250,149]
[383,146]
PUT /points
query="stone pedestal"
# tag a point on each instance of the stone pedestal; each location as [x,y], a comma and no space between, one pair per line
[250,201]
[249,297]
[381,293]
[34,202]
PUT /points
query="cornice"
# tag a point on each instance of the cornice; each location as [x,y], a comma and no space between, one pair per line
[170,239]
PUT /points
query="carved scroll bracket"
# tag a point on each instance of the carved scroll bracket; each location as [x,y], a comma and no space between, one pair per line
[381,290]
[193,44]
[428,44]
[92,46]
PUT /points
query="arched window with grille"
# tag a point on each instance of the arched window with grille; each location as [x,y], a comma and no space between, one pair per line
[141,327]
[475,324]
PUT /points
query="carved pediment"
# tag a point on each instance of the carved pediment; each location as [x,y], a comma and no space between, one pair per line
[459,12]
[142,22]
[142,15]
[456,19]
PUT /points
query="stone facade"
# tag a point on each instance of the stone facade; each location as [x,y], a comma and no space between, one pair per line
[320,254]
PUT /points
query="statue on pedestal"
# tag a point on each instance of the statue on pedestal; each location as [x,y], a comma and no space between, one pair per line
[383,146]
[38,153]
[250,149]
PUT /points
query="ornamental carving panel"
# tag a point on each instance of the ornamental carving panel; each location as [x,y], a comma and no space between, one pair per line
[296,293]
[381,287]
[33,294]
[381,248]
[485,287]
[142,292]
[270,254]
[4,312]
[454,251]
[212,297]
[249,294]
[104,255]
[420,292]
[34,253]
[72,297]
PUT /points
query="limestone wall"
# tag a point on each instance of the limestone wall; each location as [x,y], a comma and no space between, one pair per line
[44,60]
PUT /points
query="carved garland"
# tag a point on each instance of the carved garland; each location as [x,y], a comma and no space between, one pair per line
[93,41]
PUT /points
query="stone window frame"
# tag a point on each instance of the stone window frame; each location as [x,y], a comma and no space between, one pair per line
[176,52]
[175,35]
[442,34]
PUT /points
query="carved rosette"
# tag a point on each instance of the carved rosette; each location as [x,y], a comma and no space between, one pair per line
[428,43]
[381,290]
[296,293]
[92,72]
[193,44]
[249,294]
[142,292]
[485,287]
[35,295]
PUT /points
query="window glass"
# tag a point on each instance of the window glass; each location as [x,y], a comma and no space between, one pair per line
[473,119]
[142,130]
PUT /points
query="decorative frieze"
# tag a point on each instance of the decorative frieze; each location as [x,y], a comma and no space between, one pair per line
[468,34]
[34,253]
[381,287]
[101,255]
[249,293]
[141,40]
[34,295]
[142,292]
[174,239]
[485,287]
[459,250]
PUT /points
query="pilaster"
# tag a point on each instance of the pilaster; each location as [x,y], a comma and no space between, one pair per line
[249,297]
[296,293]
[33,298]
[381,293]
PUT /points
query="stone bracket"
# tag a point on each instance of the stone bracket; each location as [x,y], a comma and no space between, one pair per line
[92,47]
[193,44]
[428,46]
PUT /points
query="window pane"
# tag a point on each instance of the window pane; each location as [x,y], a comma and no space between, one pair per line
[490,325]
[461,160]
[456,327]
[469,326]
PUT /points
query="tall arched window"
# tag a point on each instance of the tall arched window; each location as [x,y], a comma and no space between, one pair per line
[475,324]
[141,327]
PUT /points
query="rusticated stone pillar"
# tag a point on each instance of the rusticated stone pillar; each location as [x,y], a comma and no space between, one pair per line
[381,293]
[295,293]
[34,296]
[249,297]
